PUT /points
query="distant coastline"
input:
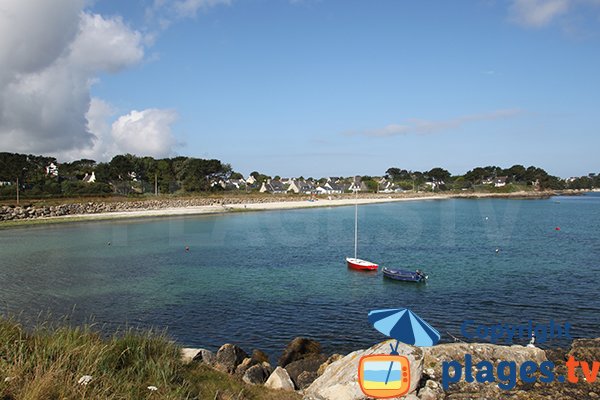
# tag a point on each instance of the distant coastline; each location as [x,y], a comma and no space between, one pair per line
[27,215]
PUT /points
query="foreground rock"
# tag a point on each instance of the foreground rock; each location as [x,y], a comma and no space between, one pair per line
[258,374]
[280,380]
[340,379]
[229,357]
[204,356]
[304,371]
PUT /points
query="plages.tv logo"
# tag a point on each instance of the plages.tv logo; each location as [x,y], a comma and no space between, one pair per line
[388,375]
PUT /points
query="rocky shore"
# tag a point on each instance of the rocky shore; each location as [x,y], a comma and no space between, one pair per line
[36,211]
[303,368]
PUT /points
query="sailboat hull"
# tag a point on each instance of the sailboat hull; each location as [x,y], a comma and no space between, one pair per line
[361,265]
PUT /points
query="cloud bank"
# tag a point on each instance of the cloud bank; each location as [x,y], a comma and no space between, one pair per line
[423,127]
[51,53]
[540,13]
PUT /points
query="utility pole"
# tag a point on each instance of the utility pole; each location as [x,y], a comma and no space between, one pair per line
[17,190]
[156,184]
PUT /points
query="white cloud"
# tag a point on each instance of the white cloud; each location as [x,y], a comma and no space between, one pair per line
[422,127]
[105,44]
[51,53]
[189,8]
[538,13]
[146,132]
[34,34]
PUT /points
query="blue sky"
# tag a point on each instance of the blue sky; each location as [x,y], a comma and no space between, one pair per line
[319,88]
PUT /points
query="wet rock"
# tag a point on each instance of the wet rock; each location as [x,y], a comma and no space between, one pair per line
[259,356]
[298,349]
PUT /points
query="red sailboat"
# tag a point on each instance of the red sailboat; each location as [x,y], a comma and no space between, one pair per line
[357,263]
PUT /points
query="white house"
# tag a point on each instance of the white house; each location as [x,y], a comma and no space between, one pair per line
[500,181]
[90,178]
[52,170]
[358,185]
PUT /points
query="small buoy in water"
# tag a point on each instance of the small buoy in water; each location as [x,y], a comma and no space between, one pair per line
[187,248]
[497,251]
[108,243]
[557,228]
[486,218]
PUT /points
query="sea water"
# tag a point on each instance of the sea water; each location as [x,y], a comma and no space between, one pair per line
[260,279]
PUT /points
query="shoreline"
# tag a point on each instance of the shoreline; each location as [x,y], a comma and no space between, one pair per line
[155,209]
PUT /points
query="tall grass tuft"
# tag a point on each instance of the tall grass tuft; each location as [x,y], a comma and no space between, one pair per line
[56,362]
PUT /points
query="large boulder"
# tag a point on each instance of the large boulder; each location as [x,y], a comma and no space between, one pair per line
[229,357]
[298,349]
[309,364]
[280,380]
[340,379]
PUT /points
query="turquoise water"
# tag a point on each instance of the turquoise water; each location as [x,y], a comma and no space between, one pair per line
[260,279]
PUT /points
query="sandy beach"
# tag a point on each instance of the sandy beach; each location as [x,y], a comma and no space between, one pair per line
[281,205]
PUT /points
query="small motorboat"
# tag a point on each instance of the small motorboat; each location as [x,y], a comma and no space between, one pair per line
[404,275]
[361,265]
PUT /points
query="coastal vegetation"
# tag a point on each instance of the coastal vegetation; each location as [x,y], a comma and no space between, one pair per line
[61,362]
[37,177]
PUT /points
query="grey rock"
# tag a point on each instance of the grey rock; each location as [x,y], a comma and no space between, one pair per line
[310,363]
[229,357]
[256,374]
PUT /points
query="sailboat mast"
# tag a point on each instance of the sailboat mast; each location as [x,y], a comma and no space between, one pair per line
[355,224]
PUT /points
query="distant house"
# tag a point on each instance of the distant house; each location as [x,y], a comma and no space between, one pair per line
[90,178]
[330,188]
[297,186]
[487,181]
[358,185]
[500,181]
[273,186]
[251,180]
[5,183]
[389,187]
[52,170]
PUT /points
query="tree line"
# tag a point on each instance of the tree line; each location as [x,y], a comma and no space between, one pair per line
[490,175]
[129,174]
[124,174]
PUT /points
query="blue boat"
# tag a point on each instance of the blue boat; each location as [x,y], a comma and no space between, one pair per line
[404,275]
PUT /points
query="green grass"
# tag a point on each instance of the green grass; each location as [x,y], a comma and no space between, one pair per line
[48,361]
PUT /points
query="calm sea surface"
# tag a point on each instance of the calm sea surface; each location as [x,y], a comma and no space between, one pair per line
[260,279]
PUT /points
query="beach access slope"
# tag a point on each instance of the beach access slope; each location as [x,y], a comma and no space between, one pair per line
[11,215]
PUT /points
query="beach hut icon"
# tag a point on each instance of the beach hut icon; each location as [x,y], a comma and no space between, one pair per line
[388,375]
